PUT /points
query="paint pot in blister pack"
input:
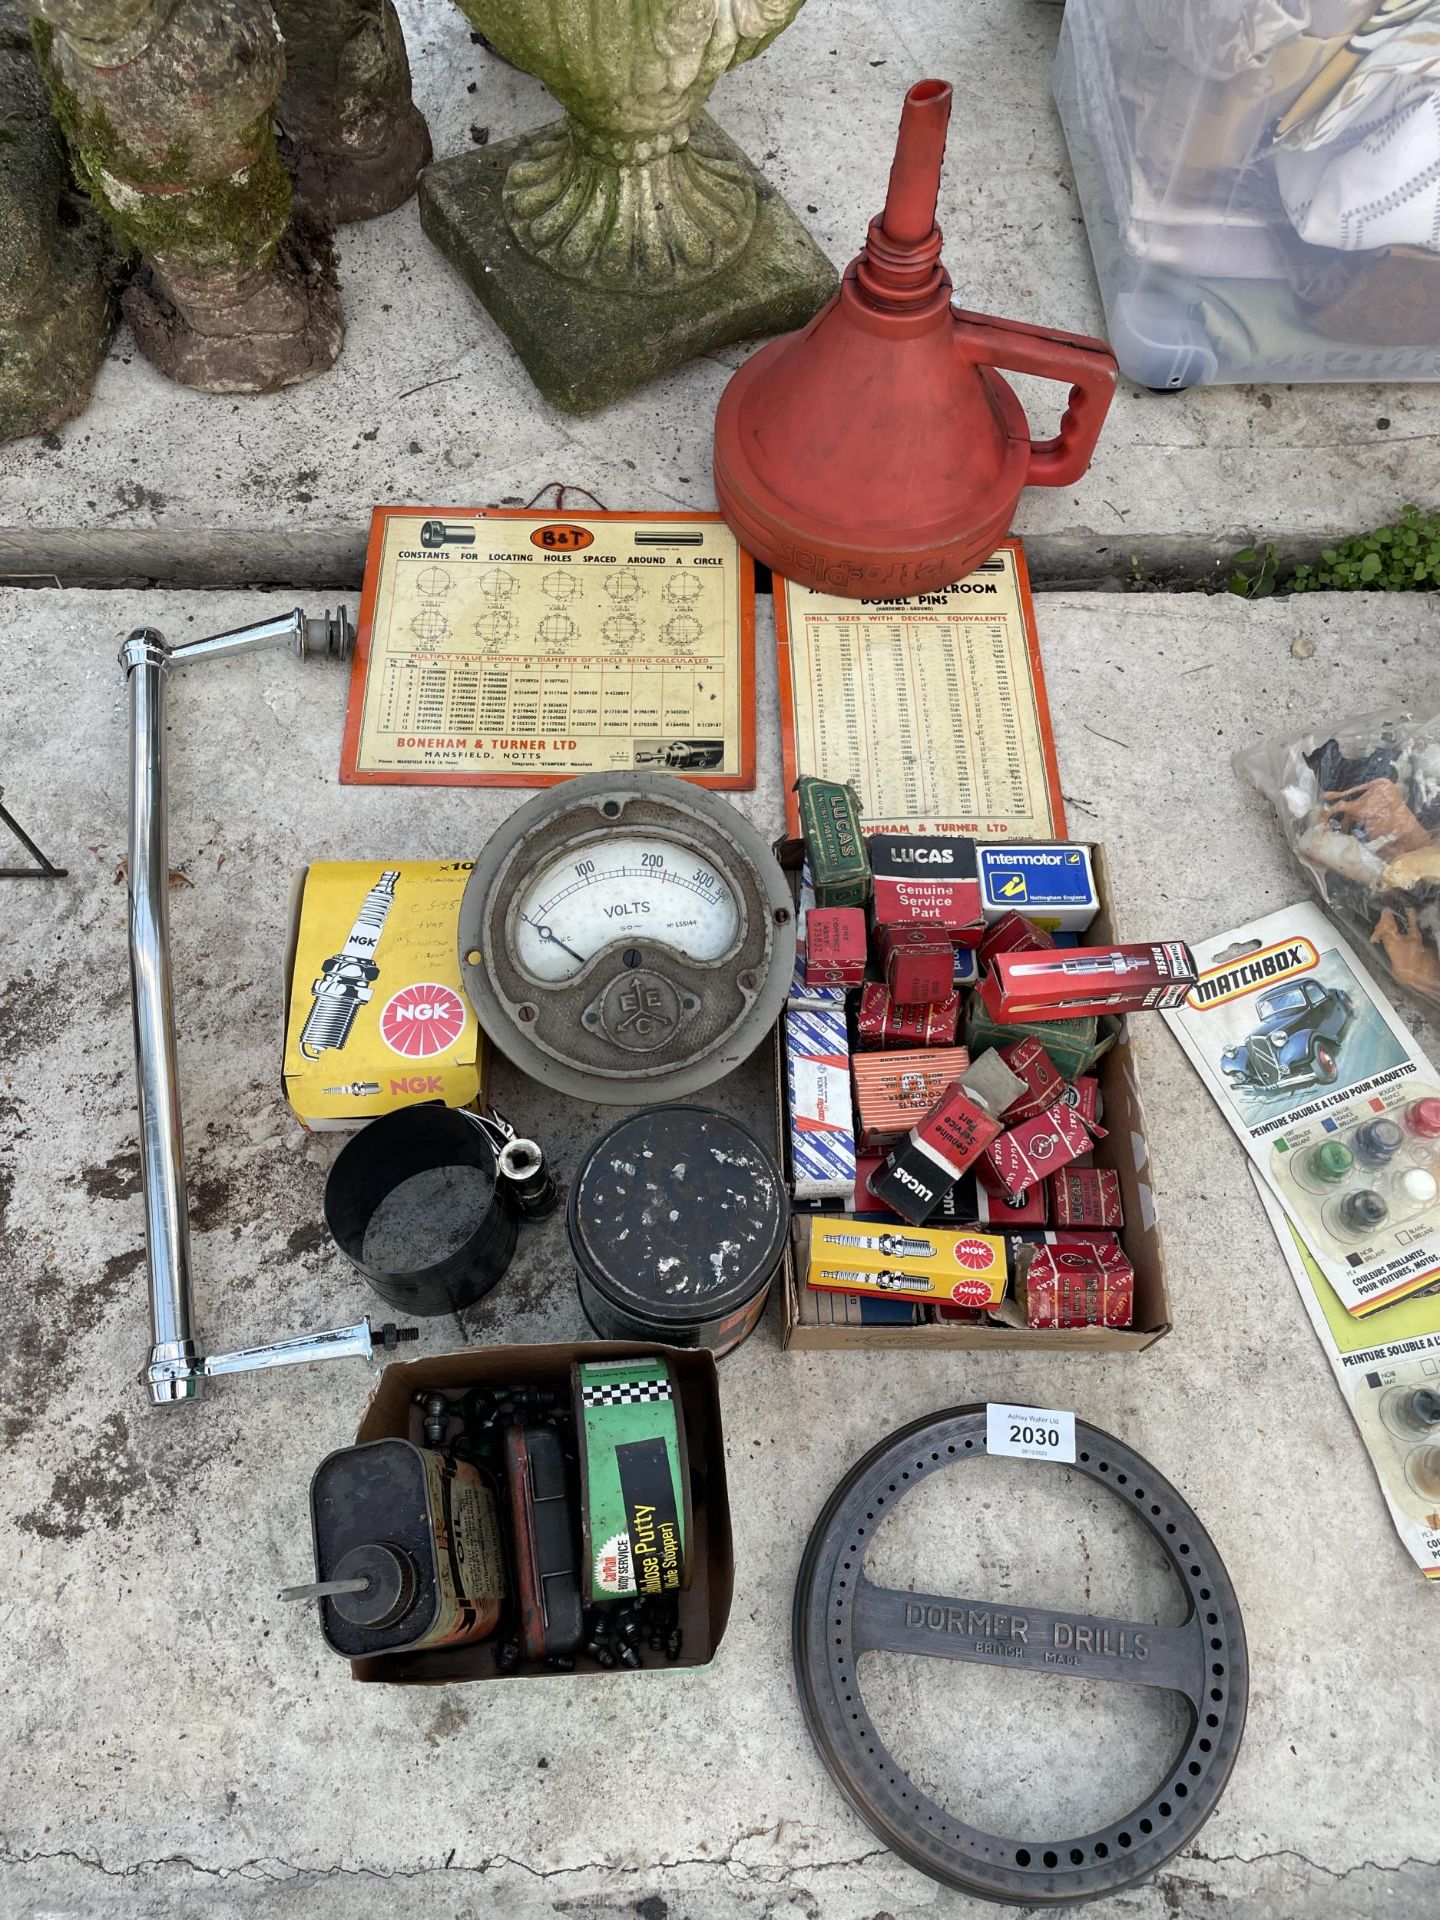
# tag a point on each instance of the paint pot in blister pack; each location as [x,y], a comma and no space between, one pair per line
[420,1529]
[414,1203]
[677,1221]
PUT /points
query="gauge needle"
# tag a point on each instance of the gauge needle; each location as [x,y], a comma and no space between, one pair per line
[546,934]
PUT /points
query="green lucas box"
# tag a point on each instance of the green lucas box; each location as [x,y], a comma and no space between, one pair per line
[834,842]
[1073,1045]
[634,1479]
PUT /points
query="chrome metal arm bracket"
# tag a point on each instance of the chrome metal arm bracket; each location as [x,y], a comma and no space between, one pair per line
[176,1368]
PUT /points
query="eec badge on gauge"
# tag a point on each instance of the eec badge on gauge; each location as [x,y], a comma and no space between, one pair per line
[627,938]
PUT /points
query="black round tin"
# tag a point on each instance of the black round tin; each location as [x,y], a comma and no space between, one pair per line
[381,1158]
[677,1221]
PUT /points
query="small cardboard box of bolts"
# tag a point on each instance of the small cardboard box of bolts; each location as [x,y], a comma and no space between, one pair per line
[375,1010]
[528,1510]
[986,1241]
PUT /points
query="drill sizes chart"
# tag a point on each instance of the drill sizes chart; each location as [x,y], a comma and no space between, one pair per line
[932,708]
[516,649]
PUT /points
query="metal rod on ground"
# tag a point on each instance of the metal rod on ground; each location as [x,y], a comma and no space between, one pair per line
[175,1369]
[173,1372]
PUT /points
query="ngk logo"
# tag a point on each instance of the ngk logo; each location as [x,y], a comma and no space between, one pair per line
[422,1020]
[971,1293]
[976,1254]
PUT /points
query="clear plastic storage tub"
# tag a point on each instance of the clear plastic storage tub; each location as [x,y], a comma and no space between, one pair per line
[1261,184]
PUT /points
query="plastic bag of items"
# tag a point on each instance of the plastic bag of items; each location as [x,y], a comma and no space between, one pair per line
[1360,807]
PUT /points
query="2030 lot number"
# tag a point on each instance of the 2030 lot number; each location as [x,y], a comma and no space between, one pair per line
[1030,1433]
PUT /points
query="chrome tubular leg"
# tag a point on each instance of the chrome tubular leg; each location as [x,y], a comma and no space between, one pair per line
[173,1373]
[176,1369]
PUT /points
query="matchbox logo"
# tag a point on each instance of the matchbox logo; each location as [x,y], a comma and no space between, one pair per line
[1235,978]
[422,1020]
[976,1254]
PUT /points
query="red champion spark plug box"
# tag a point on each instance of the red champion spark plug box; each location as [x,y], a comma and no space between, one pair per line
[1074,981]
[925,882]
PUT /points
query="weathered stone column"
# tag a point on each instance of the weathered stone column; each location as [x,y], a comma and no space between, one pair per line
[167,105]
[354,138]
[56,313]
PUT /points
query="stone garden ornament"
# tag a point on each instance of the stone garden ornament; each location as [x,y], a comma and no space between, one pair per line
[169,110]
[634,233]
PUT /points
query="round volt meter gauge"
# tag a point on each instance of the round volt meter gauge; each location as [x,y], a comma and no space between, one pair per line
[627,938]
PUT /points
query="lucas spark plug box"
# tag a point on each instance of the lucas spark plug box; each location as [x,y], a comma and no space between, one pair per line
[375,1015]
[920,881]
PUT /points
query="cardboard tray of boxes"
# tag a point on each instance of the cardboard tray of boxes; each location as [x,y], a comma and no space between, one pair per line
[1123,1151]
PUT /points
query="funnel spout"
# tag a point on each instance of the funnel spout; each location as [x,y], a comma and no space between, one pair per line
[909,216]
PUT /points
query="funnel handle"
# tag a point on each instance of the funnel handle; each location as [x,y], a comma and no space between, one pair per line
[1087,363]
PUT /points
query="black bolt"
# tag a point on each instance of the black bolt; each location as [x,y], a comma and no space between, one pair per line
[630,1657]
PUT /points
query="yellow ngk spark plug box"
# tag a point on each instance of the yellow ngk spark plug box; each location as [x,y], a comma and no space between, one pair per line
[375,1009]
[870,1255]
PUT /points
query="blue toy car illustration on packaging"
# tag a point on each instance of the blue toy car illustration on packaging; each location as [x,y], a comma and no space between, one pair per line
[1051,885]
[1297,1038]
[1337,1107]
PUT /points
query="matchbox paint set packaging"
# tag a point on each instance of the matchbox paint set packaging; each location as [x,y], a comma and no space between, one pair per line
[1337,1107]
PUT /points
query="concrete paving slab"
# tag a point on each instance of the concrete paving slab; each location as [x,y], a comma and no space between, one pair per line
[181,1744]
[429,404]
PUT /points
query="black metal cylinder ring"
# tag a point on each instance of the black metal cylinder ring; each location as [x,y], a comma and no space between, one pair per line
[383,1156]
[839,1616]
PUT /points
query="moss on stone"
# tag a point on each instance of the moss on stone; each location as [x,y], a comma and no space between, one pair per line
[234,223]
[96,143]
[231,223]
